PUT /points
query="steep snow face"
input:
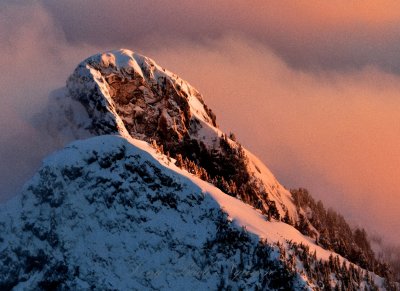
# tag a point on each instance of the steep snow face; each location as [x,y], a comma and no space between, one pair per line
[126,93]
[108,214]
[111,213]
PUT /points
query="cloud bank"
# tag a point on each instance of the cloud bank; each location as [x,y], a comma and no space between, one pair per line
[339,35]
[335,134]
[35,59]
[312,89]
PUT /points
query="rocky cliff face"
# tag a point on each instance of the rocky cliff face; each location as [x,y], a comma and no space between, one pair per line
[129,94]
[152,102]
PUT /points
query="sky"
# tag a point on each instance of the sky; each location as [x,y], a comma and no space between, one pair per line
[312,87]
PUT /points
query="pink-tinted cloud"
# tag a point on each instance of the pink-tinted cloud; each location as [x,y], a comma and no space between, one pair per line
[34,60]
[307,34]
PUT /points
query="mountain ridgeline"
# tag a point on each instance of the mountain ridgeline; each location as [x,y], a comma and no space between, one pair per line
[154,104]
[330,230]
[155,196]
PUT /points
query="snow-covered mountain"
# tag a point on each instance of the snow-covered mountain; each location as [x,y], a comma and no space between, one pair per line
[108,212]
[154,196]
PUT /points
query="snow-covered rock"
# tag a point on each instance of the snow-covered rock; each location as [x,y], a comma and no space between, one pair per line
[126,93]
[108,214]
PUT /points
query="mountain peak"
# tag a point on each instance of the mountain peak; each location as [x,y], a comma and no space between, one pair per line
[123,92]
[145,99]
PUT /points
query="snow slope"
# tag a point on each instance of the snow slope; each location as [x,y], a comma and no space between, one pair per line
[113,213]
[110,214]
